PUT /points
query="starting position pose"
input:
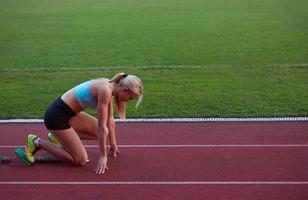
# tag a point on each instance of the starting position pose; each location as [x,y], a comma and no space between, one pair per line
[68,124]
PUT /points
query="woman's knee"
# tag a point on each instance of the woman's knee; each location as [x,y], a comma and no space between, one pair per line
[80,160]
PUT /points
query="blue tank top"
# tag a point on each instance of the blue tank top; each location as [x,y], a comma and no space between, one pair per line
[84,96]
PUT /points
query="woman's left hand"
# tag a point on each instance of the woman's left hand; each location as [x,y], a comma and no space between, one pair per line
[114,151]
[102,165]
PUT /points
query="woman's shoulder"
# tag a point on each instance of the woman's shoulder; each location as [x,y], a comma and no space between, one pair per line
[101,85]
[100,81]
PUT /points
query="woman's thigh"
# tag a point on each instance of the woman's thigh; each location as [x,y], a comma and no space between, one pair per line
[85,124]
[72,144]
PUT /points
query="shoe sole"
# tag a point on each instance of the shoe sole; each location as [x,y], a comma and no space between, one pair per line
[21,154]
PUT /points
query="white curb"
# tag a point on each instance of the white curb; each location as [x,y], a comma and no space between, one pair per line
[264,119]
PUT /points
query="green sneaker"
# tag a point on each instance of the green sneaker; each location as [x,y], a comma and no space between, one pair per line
[21,154]
[31,149]
[53,139]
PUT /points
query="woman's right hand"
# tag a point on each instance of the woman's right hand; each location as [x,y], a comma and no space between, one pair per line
[114,151]
[102,165]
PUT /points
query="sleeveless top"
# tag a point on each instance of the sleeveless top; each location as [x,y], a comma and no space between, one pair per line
[84,96]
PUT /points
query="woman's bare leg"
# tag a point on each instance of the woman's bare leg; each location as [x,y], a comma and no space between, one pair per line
[85,125]
[56,151]
[71,149]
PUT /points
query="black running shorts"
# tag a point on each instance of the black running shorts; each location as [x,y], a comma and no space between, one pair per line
[57,115]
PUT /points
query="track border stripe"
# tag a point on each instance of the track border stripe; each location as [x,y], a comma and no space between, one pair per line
[187,146]
[157,183]
[265,119]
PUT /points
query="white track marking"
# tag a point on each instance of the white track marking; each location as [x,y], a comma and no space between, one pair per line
[188,146]
[271,119]
[156,183]
[10,69]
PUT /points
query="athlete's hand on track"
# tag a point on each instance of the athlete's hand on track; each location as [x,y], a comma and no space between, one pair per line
[114,151]
[102,165]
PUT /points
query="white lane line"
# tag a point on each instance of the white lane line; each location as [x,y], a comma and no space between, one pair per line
[147,67]
[188,146]
[265,119]
[156,183]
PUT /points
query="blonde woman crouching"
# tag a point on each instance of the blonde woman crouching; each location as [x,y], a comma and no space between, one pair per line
[68,124]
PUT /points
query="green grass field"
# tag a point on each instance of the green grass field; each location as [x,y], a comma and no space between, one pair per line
[196,58]
[171,91]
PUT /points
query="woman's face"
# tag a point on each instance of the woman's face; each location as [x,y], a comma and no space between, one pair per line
[125,95]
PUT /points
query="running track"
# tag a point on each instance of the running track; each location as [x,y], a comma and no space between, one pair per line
[180,160]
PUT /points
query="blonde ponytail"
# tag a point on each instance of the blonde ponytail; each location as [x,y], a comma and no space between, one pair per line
[117,78]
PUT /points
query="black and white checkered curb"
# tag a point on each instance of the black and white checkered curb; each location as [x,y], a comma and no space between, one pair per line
[274,119]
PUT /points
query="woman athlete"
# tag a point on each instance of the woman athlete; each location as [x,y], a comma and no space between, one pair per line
[68,124]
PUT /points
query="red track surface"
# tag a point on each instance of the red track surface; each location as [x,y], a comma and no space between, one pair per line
[207,172]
